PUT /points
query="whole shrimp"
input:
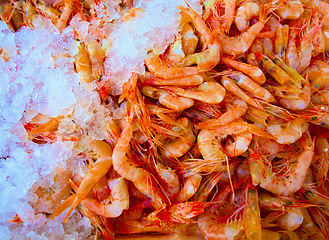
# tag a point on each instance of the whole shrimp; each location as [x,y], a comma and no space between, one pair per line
[244,13]
[178,146]
[235,108]
[119,200]
[252,71]
[208,92]
[167,99]
[208,58]
[287,133]
[291,9]
[103,152]
[278,184]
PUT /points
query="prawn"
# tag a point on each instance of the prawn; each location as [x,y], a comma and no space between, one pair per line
[208,92]
[179,146]
[29,12]
[291,9]
[291,219]
[241,44]
[103,152]
[251,215]
[212,229]
[244,13]
[282,185]
[249,85]
[252,71]
[209,58]
[171,179]
[281,41]
[119,200]
[232,87]
[167,99]
[191,185]
[150,79]
[287,133]
[189,39]
[235,108]
[83,64]
[141,178]
[96,56]
[62,21]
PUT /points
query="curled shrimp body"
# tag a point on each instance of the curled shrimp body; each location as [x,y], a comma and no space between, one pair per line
[241,43]
[172,181]
[119,200]
[212,229]
[159,69]
[208,92]
[103,152]
[291,219]
[245,12]
[208,58]
[283,185]
[287,133]
[292,9]
[191,185]
[167,99]
[180,145]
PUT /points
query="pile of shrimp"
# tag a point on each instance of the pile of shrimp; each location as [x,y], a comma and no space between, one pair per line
[226,133]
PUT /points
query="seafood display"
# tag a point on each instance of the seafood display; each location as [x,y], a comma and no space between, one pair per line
[225,132]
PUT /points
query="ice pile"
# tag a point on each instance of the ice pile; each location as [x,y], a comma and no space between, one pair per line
[37,76]
[154,29]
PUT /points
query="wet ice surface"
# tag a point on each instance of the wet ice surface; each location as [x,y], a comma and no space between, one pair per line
[37,76]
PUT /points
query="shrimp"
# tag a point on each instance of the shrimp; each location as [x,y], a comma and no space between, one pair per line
[287,133]
[322,147]
[191,185]
[97,56]
[179,146]
[318,73]
[281,41]
[47,10]
[83,64]
[232,87]
[252,71]
[291,219]
[209,58]
[209,140]
[159,69]
[171,179]
[189,39]
[240,44]
[208,92]
[150,79]
[62,21]
[251,215]
[249,85]
[292,9]
[299,57]
[103,152]
[119,200]
[29,12]
[168,99]
[235,108]
[212,229]
[244,13]
[315,197]
[282,185]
